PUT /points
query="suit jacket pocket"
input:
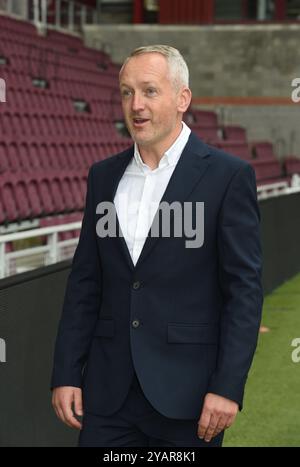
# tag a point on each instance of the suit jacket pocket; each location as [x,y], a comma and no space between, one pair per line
[189,333]
[105,328]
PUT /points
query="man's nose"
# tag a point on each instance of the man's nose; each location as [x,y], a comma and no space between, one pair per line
[137,102]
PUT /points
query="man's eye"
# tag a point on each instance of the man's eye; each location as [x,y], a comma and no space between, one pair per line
[151,91]
[126,93]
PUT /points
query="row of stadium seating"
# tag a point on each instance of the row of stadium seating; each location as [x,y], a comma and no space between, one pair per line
[30,157]
[27,196]
[71,86]
[34,101]
[37,193]
[47,125]
[31,195]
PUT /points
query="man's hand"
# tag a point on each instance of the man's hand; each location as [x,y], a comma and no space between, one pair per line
[62,399]
[217,414]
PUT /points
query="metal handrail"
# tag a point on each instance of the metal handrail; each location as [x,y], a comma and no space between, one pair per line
[39,232]
[49,253]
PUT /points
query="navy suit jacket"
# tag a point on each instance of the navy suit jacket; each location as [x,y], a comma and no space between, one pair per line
[185,319]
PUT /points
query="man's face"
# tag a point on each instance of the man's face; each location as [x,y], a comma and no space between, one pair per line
[149,99]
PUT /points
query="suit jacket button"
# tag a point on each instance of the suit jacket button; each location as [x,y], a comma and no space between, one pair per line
[135,323]
[136,285]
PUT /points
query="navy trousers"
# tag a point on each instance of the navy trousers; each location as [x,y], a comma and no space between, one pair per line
[138,423]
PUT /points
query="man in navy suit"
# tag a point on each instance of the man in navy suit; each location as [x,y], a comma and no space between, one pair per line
[163,303]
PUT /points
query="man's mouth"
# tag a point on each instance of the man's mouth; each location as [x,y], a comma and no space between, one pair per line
[138,122]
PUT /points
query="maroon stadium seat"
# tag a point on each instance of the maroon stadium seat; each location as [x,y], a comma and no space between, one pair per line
[14,157]
[205,118]
[67,193]
[57,193]
[267,169]
[4,165]
[44,189]
[237,148]
[21,197]
[7,196]
[33,196]
[264,150]
[208,134]
[232,132]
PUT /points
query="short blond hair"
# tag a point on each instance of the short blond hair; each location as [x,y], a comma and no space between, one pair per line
[177,65]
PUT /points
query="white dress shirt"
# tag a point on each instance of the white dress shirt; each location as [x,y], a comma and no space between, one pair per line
[140,191]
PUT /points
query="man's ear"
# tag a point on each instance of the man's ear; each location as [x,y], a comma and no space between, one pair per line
[184,99]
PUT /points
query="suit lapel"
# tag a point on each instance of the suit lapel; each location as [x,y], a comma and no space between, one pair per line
[116,172]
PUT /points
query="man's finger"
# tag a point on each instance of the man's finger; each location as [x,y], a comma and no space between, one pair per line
[70,419]
[57,408]
[214,420]
[78,403]
[203,423]
[60,414]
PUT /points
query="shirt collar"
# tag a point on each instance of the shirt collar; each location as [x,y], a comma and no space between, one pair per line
[172,155]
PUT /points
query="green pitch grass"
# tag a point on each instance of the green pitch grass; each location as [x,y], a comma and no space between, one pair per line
[271,413]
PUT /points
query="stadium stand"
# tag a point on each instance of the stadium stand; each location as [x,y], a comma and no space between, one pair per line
[42,132]
[233,139]
[47,145]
